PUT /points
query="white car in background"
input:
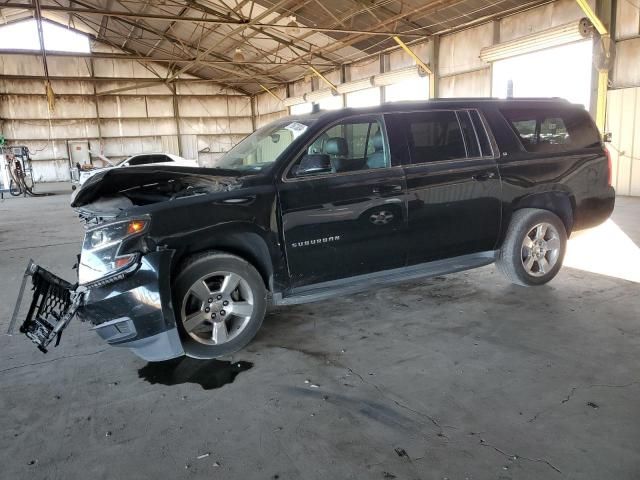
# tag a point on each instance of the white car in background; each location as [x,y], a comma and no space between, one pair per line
[137,160]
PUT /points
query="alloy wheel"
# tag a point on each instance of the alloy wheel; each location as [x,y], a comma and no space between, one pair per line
[217,308]
[540,249]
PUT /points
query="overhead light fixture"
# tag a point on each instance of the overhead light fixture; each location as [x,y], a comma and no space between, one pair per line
[294,28]
[238,56]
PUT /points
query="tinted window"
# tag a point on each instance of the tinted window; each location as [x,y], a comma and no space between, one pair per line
[146,159]
[351,146]
[552,131]
[469,134]
[434,136]
[483,138]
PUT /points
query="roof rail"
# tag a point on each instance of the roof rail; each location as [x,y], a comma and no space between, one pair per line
[494,99]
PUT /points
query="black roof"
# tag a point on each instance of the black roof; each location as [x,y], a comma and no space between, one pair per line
[470,102]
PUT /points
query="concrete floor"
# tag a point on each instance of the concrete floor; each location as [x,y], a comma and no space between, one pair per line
[459,377]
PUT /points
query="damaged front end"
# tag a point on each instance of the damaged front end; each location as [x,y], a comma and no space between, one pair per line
[123,286]
[129,307]
[55,302]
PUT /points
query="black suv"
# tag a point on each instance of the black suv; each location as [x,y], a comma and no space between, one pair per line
[185,260]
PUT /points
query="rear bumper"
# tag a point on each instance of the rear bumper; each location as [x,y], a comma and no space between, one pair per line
[595,210]
[136,312]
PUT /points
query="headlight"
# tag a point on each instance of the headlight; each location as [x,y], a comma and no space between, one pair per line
[101,255]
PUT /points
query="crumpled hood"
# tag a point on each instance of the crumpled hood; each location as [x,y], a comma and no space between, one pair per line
[154,184]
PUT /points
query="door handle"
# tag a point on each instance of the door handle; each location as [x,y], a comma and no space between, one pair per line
[380,189]
[482,177]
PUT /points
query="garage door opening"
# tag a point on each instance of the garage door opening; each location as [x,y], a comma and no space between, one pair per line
[563,71]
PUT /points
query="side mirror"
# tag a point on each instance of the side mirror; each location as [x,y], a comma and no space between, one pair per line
[314,163]
[607,137]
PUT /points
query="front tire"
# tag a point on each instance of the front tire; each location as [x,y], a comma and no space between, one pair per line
[534,247]
[220,301]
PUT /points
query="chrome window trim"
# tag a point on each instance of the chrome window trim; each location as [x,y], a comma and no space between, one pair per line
[378,117]
[475,132]
[495,151]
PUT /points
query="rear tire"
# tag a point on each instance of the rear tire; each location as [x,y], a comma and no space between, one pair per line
[220,301]
[534,247]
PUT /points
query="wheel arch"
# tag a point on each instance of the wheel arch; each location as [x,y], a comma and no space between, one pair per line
[560,203]
[242,240]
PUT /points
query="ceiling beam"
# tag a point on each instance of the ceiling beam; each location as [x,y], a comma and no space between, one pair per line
[150,80]
[216,21]
[153,59]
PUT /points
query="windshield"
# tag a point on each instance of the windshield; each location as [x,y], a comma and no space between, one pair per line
[262,148]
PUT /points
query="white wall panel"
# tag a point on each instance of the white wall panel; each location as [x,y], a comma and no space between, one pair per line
[471,84]
[115,106]
[20,65]
[120,68]
[204,89]
[68,67]
[262,120]
[364,69]
[540,18]
[60,87]
[157,89]
[400,59]
[266,103]
[159,106]
[627,68]
[137,127]
[51,171]
[623,121]
[215,126]
[460,52]
[214,106]
[189,146]
[35,107]
[627,19]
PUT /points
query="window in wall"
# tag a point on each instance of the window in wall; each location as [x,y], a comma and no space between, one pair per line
[301,109]
[563,71]
[349,147]
[552,131]
[434,136]
[369,97]
[24,36]
[411,89]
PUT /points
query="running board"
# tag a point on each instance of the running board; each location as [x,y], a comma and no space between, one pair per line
[346,286]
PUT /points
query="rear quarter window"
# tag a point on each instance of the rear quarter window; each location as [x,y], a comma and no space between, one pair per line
[545,130]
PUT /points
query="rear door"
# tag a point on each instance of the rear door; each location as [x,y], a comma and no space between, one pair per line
[453,183]
[350,219]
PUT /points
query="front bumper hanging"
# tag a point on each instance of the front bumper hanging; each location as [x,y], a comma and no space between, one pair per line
[55,302]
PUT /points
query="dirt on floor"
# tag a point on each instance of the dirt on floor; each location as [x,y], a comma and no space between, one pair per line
[462,377]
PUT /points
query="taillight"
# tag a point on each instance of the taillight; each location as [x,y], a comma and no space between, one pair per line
[609,166]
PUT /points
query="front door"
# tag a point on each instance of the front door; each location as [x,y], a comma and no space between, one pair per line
[343,206]
[453,183]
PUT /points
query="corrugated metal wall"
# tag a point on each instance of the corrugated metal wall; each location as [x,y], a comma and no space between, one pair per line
[268,108]
[623,108]
[211,119]
[623,121]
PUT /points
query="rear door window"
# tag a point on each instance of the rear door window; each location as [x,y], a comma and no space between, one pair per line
[434,136]
[552,130]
